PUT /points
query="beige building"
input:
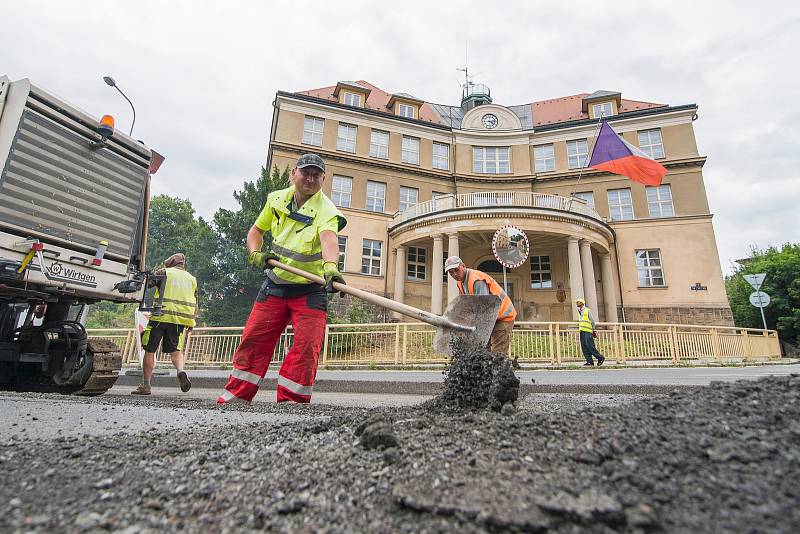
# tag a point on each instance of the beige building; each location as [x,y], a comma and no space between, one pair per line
[419,181]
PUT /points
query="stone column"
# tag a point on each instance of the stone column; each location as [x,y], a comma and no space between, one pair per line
[589,285]
[609,295]
[399,278]
[575,273]
[437,266]
[452,250]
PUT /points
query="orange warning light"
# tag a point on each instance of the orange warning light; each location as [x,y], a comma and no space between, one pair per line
[106,127]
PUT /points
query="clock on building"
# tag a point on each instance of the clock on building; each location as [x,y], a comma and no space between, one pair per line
[489,121]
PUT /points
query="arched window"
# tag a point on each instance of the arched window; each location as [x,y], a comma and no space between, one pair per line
[490,266]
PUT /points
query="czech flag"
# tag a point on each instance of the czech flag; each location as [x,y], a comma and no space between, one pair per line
[612,154]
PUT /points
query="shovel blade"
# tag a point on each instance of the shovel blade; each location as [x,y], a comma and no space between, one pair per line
[479,311]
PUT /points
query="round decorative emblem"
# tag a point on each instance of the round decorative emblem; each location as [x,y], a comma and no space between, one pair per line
[489,121]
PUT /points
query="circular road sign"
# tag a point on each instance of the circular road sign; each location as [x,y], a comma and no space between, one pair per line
[754,299]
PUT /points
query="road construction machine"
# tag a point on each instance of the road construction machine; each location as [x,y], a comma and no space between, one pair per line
[74,198]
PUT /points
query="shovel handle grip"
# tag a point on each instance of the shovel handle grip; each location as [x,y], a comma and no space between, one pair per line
[383,302]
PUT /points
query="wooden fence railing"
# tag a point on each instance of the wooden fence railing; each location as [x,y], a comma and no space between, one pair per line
[410,344]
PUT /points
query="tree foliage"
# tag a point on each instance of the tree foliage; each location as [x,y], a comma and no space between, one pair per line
[782,284]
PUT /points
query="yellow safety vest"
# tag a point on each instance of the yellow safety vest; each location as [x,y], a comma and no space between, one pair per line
[295,235]
[179,302]
[584,323]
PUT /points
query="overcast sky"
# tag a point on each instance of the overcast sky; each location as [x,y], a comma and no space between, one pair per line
[203,75]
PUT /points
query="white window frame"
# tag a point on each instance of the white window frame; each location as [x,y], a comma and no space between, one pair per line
[598,109]
[659,201]
[577,153]
[346,138]
[409,196]
[620,208]
[410,150]
[491,159]
[541,272]
[544,161]
[370,261]
[375,200]
[342,239]
[650,268]
[352,99]
[342,191]
[441,156]
[416,264]
[312,130]
[405,110]
[588,196]
[651,143]
[379,144]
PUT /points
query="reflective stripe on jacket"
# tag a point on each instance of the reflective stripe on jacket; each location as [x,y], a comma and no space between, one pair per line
[295,235]
[585,323]
[507,311]
[179,300]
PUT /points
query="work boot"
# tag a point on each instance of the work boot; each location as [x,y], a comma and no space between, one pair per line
[588,364]
[515,364]
[600,361]
[141,390]
[184,381]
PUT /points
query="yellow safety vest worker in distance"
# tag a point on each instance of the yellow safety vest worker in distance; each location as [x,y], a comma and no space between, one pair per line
[180,303]
[506,311]
[584,323]
[295,234]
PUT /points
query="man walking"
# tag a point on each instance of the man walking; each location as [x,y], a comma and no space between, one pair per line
[179,313]
[474,282]
[304,224]
[586,326]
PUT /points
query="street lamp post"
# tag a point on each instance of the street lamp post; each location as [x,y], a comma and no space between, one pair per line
[110,81]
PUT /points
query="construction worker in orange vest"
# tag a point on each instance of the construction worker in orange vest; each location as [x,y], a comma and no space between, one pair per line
[474,282]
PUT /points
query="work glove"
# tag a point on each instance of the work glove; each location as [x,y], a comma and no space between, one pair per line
[260,259]
[594,334]
[332,274]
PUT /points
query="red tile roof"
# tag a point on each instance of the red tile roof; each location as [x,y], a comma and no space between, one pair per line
[545,112]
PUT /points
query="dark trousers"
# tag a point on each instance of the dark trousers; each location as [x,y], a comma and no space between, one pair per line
[588,348]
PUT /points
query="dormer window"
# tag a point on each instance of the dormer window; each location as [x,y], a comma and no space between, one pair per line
[603,109]
[352,99]
[404,110]
[351,94]
[404,105]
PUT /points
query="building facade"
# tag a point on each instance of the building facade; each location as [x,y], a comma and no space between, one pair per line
[419,181]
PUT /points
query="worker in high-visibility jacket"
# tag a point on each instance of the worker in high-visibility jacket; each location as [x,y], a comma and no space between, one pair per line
[180,311]
[474,282]
[586,326]
[304,224]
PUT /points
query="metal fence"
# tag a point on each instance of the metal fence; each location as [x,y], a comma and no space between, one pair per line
[411,344]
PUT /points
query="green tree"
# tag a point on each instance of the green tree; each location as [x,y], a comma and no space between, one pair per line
[782,284]
[107,314]
[238,282]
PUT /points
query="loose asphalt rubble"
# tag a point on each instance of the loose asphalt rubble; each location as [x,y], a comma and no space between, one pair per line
[720,458]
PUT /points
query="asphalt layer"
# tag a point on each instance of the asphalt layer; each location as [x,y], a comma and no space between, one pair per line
[722,458]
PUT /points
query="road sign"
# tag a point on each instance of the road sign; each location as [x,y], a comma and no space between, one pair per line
[755,280]
[759,299]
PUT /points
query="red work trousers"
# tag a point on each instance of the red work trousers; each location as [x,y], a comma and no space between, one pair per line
[264,327]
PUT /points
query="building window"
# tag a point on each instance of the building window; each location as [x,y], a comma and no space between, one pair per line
[376,196]
[586,196]
[545,159]
[650,143]
[620,205]
[491,160]
[346,141]
[342,250]
[410,150]
[602,110]
[404,110]
[371,257]
[659,201]
[312,131]
[577,153]
[341,191]
[408,197]
[541,275]
[441,156]
[417,257]
[352,99]
[648,265]
[379,144]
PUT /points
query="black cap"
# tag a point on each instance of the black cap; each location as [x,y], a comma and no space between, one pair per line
[310,160]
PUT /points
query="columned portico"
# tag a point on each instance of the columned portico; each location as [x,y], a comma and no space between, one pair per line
[452,250]
[399,277]
[575,273]
[589,285]
[609,295]
[437,266]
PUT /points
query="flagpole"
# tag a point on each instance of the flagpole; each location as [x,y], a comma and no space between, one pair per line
[589,158]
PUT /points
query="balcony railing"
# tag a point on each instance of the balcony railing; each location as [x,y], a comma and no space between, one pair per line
[516,199]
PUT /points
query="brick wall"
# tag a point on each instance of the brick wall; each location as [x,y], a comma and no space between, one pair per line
[678,315]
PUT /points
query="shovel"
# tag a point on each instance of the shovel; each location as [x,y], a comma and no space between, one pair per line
[470,316]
